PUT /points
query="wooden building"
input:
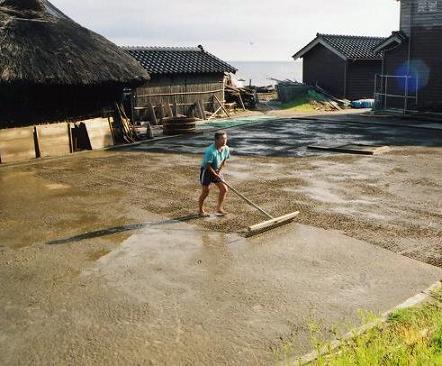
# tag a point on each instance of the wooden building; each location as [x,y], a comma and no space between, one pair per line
[411,77]
[53,69]
[180,79]
[345,66]
[54,73]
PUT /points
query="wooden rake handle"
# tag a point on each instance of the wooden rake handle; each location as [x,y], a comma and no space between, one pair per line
[247,200]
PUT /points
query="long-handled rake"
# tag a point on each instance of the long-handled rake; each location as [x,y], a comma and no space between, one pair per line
[270,224]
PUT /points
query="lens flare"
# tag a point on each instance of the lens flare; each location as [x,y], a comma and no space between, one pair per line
[419,74]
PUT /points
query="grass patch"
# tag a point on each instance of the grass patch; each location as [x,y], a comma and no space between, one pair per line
[308,102]
[300,104]
[410,336]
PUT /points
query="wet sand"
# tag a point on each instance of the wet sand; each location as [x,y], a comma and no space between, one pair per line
[94,271]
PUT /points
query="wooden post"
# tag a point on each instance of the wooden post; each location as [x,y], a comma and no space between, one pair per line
[160,109]
[71,142]
[242,103]
[36,143]
[151,113]
[175,109]
[168,110]
[200,107]
[133,101]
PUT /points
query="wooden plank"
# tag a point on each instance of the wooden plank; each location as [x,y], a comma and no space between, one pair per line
[214,114]
[183,93]
[53,139]
[270,224]
[242,102]
[353,149]
[99,132]
[17,144]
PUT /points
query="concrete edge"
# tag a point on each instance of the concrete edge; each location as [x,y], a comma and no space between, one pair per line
[335,344]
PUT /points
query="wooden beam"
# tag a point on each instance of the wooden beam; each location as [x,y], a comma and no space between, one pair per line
[270,224]
[221,105]
[241,101]
[182,93]
[214,114]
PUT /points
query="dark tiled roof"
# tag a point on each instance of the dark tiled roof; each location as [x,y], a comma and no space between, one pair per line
[174,60]
[354,47]
[397,37]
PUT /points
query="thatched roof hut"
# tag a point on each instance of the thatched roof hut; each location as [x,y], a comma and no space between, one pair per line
[52,68]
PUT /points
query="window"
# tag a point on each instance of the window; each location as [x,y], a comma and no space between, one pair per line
[427,6]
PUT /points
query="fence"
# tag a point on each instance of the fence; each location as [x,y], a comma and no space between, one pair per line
[393,92]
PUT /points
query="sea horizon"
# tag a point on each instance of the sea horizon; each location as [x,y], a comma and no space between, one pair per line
[262,73]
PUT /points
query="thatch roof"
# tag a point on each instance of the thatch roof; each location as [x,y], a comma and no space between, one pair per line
[41,45]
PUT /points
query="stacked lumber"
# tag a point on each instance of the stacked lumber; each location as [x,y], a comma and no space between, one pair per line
[244,97]
[124,130]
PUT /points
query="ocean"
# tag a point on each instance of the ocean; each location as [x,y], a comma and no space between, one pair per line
[261,72]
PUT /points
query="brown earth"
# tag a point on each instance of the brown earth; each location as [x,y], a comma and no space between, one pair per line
[392,200]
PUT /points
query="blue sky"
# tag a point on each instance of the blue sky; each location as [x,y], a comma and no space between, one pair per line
[240,30]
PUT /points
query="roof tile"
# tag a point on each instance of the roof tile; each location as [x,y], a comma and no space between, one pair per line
[354,47]
[176,60]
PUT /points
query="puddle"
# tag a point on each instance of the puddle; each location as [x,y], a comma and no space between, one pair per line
[221,290]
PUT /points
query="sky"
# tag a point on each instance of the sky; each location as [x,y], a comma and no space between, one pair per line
[234,30]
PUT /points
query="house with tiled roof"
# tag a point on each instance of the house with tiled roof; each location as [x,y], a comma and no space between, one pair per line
[180,77]
[412,62]
[343,65]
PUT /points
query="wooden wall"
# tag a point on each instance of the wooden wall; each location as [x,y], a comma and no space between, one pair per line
[325,68]
[343,79]
[426,62]
[426,54]
[360,78]
[393,61]
[412,17]
[156,90]
[55,139]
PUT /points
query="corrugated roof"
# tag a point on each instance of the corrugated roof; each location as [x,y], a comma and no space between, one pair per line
[354,47]
[346,47]
[175,60]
